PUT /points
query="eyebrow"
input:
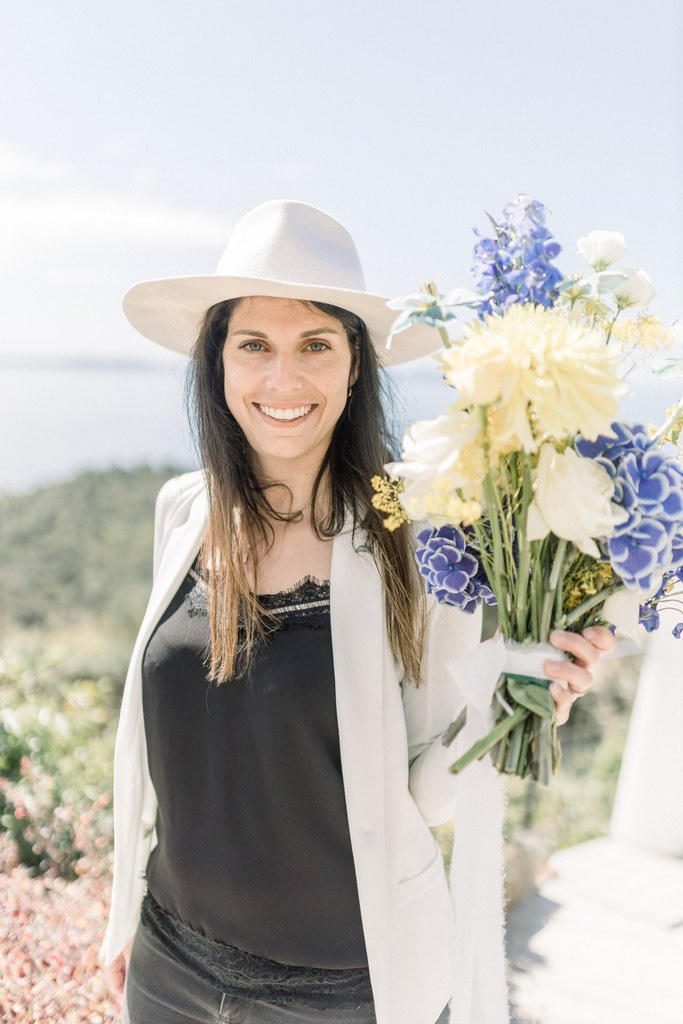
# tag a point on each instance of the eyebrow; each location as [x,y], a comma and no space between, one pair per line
[306,334]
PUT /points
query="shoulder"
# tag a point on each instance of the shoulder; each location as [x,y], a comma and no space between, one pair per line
[179,492]
[174,503]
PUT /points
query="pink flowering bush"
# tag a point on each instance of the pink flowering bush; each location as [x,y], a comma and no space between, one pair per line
[56,745]
[56,748]
[50,932]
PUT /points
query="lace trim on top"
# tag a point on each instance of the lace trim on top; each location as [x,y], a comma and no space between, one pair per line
[305,602]
[249,976]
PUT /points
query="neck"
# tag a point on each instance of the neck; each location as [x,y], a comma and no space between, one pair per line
[295,492]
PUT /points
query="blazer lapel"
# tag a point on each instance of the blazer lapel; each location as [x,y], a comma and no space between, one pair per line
[180,552]
[359,650]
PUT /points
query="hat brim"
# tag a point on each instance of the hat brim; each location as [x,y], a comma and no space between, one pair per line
[170,311]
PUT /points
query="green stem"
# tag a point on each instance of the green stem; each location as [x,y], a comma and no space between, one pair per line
[524,551]
[495,515]
[591,602]
[489,741]
[551,589]
[537,561]
[609,329]
[666,427]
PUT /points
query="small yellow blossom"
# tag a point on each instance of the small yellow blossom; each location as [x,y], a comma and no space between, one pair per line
[585,582]
[386,499]
[597,313]
[642,331]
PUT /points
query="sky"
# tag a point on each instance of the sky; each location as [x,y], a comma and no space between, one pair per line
[133,136]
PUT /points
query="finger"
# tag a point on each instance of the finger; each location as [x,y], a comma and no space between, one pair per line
[115,974]
[576,678]
[564,699]
[581,649]
[599,637]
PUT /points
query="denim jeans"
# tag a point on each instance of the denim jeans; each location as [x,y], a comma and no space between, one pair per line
[160,989]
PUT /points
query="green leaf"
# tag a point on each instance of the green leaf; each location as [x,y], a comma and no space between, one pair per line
[532,695]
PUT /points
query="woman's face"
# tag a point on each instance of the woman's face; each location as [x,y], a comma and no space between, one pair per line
[288,367]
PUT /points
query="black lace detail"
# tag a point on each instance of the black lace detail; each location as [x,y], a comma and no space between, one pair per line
[196,600]
[307,603]
[246,975]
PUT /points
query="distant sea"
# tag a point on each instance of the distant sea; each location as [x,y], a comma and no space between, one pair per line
[59,419]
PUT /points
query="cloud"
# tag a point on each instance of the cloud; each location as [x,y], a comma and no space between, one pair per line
[17,165]
[31,224]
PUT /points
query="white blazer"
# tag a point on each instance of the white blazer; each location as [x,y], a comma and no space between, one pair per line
[395,781]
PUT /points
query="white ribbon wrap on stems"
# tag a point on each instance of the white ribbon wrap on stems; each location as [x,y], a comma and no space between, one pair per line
[527,659]
[479,991]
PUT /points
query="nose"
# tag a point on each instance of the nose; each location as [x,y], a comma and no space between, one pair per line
[284,373]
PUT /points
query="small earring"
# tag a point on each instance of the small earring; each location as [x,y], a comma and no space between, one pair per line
[348,393]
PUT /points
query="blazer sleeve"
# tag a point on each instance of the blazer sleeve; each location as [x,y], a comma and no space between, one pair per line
[135,804]
[458,670]
[171,508]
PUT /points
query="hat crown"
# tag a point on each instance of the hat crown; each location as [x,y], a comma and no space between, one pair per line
[292,242]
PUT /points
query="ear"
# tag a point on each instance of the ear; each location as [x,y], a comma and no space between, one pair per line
[355,370]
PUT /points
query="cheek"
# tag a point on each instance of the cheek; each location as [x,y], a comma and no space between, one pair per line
[234,385]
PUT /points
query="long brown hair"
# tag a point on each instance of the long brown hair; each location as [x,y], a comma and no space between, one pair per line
[240,513]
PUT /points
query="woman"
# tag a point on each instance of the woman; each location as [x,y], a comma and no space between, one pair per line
[279,759]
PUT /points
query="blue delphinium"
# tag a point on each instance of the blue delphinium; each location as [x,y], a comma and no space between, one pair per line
[452,573]
[666,597]
[649,486]
[515,265]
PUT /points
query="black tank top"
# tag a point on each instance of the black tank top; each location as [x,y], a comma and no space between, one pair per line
[253,839]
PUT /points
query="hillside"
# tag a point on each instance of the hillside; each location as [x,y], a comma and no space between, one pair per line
[79,548]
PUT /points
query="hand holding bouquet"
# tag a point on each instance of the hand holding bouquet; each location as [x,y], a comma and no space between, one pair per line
[540,501]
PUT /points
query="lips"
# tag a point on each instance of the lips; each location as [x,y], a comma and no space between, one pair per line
[284,415]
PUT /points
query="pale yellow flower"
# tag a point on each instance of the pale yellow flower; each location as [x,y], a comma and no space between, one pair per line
[573,500]
[442,468]
[443,506]
[543,373]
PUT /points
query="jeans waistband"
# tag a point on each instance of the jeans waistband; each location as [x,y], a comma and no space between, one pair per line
[239,973]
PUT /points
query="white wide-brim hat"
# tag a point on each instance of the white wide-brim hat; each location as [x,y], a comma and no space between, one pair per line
[283,249]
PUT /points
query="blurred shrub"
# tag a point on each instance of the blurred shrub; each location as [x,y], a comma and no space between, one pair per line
[56,751]
[79,547]
[577,805]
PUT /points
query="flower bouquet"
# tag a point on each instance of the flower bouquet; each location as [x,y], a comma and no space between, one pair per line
[539,500]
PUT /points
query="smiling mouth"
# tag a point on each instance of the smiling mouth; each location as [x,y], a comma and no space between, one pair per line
[284,415]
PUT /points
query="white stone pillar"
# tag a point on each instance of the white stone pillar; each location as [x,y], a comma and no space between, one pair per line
[648,808]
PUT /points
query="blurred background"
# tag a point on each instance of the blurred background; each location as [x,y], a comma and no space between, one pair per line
[133,137]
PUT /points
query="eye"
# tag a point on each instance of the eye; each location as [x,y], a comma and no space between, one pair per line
[318,346]
[252,346]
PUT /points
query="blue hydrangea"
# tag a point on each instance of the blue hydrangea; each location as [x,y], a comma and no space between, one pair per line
[649,486]
[515,265]
[451,571]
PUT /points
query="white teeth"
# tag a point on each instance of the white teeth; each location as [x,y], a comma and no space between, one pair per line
[285,414]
